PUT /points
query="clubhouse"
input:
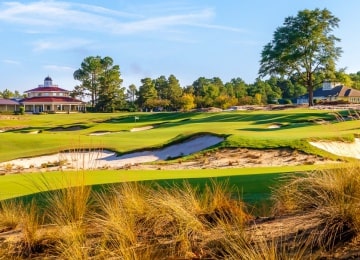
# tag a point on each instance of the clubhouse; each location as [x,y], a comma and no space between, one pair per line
[49,98]
[332,91]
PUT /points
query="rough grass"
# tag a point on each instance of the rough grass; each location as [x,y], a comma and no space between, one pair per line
[149,221]
[333,195]
[128,221]
[10,214]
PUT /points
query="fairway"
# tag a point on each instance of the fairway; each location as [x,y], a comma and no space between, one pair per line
[252,182]
[34,135]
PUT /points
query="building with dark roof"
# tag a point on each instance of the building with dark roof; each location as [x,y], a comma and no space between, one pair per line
[9,105]
[331,91]
[51,99]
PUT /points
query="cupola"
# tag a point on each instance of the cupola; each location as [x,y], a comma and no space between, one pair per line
[47,82]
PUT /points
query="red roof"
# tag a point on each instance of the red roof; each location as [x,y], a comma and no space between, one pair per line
[51,99]
[47,89]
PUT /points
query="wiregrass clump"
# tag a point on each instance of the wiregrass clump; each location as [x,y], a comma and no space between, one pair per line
[10,216]
[127,221]
[150,222]
[333,195]
[236,245]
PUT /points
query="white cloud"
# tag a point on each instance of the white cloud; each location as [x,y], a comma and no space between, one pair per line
[42,15]
[58,14]
[161,22]
[14,62]
[60,44]
[58,68]
[220,27]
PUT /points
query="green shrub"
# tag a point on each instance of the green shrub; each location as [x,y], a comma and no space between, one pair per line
[21,110]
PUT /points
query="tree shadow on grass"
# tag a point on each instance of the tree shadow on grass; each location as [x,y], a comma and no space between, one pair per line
[283,127]
[290,121]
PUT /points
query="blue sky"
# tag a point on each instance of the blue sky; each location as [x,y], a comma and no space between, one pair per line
[187,38]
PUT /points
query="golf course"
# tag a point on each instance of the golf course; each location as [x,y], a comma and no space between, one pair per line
[251,183]
[31,136]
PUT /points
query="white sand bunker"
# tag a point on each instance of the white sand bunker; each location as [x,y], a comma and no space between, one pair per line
[108,159]
[136,129]
[144,128]
[274,126]
[340,148]
[102,133]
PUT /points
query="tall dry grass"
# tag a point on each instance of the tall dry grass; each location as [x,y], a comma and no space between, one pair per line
[26,220]
[143,222]
[148,221]
[236,245]
[10,216]
[68,208]
[334,195]
[30,225]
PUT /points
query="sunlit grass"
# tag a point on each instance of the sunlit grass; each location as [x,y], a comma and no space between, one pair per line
[16,185]
[244,129]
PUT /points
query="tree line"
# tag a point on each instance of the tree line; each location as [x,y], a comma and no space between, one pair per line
[166,93]
[301,55]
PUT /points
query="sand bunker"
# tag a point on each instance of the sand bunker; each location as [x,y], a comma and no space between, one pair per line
[99,133]
[274,126]
[108,159]
[136,129]
[340,148]
[102,133]
[243,158]
[144,128]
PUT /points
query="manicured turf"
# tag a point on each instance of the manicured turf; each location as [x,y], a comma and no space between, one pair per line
[249,180]
[245,129]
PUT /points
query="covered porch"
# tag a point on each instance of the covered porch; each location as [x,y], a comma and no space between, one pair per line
[54,108]
[8,105]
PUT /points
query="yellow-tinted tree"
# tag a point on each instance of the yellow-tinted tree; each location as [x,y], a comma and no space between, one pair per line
[187,101]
